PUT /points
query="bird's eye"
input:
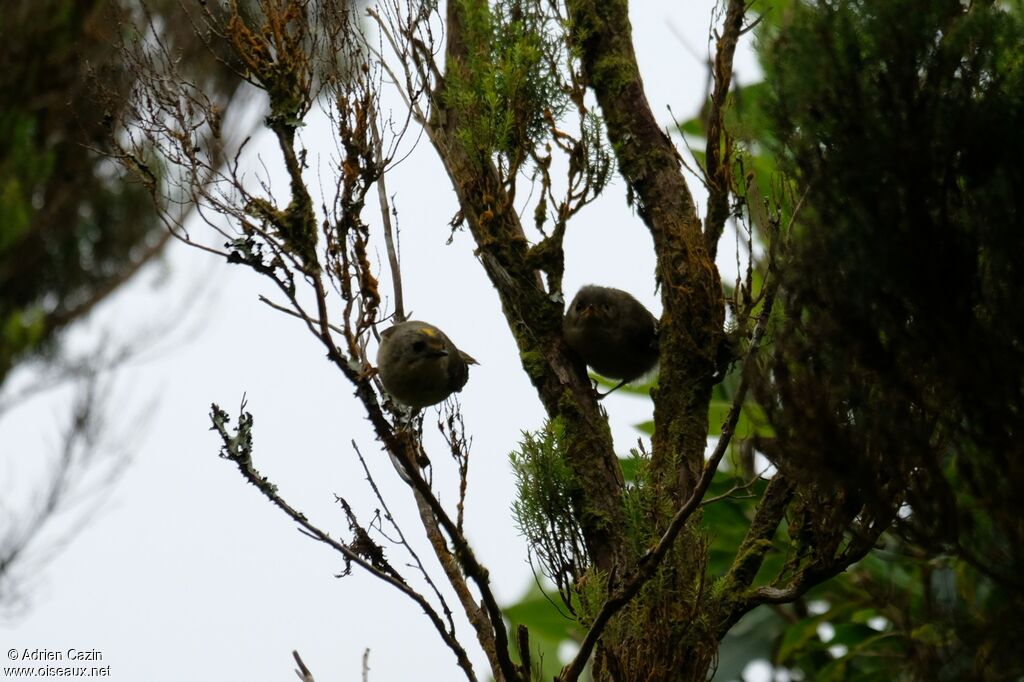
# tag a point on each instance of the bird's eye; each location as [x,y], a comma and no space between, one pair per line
[580,306]
[419,346]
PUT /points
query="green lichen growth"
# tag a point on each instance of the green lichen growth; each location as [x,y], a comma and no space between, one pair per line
[296,226]
[534,364]
[615,71]
[726,588]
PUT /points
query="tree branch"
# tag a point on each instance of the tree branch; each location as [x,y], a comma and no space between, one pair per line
[719,152]
[303,672]
[389,231]
[403,448]
[652,558]
[534,315]
[756,544]
[810,576]
[477,617]
[238,448]
[402,540]
[301,316]
[691,293]
[467,560]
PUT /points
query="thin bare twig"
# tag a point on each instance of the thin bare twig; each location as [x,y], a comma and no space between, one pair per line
[289,311]
[478,618]
[303,672]
[239,452]
[389,231]
[465,556]
[402,540]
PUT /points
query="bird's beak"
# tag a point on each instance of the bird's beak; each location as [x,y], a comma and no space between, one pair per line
[588,311]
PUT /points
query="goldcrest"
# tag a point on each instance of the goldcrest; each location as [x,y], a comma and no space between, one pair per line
[419,365]
[612,332]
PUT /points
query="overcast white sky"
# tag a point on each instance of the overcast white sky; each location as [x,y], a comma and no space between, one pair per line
[187,573]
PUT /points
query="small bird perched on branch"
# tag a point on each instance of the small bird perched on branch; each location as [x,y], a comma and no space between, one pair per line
[612,332]
[419,365]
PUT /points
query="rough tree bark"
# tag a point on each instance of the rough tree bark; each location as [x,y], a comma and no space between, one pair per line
[691,330]
[534,318]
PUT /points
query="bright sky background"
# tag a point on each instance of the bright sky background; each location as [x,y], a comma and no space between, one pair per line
[188,573]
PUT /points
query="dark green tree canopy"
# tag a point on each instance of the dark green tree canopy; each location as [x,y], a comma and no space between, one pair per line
[903,278]
[898,371]
[72,227]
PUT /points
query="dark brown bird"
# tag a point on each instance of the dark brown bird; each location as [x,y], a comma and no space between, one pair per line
[612,332]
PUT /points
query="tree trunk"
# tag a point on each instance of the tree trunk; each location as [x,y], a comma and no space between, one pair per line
[659,635]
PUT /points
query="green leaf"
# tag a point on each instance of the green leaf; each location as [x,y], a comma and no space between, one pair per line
[752,420]
[753,637]
[863,615]
[851,634]
[548,629]
[640,390]
[834,670]
[796,638]
[693,127]
[539,614]
[646,428]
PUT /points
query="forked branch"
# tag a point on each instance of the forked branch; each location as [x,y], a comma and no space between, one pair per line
[652,558]
[237,447]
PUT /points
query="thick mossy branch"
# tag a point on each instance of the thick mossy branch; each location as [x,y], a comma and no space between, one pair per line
[752,551]
[534,315]
[770,512]
[691,324]
[718,151]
